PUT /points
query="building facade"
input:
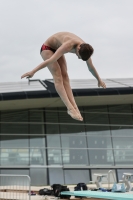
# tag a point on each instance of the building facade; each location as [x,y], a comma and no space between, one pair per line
[45,143]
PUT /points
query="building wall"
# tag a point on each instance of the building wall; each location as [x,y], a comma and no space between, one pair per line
[53,148]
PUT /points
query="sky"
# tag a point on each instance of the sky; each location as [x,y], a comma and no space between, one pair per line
[106,25]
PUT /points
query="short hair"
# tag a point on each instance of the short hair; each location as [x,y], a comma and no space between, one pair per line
[85,51]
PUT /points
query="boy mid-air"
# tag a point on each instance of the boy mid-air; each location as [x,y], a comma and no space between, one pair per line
[52,52]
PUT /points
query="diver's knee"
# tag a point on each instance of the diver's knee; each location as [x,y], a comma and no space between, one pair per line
[65,77]
[58,80]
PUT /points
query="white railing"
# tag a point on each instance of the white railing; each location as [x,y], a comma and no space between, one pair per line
[110,172]
[16,187]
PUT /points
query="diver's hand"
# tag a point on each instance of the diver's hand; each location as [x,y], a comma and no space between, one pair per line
[28,75]
[101,84]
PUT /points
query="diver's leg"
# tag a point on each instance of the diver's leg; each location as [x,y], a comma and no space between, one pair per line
[58,82]
[66,82]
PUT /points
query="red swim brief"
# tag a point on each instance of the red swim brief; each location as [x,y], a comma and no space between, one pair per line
[44,47]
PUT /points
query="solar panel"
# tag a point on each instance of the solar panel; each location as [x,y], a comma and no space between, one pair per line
[21,86]
[35,85]
[92,83]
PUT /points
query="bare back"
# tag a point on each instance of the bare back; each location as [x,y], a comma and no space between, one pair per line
[56,40]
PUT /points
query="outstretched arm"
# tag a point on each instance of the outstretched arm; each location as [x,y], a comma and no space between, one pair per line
[95,73]
[62,50]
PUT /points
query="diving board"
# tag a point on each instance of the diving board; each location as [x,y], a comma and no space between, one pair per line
[100,195]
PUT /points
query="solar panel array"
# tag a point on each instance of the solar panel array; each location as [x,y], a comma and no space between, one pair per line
[36,85]
[92,83]
[22,86]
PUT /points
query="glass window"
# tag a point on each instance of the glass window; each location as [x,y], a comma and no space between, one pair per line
[123,156]
[51,115]
[11,141]
[122,114]
[76,176]
[101,157]
[54,156]
[65,118]
[96,115]
[75,156]
[12,181]
[126,108]
[99,109]
[123,148]
[99,142]
[14,138]
[53,138]
[37,139]
[74,145]
[99,137]
[14,134]
[15,171]
[52,130]
[120,119]
[121,131]
[73,141]
[72,129]
[14,157]
[123,143]
[121,171]
[56,176]
[38,176]
[54,149]
[36,129]
[15,117]
[37,156]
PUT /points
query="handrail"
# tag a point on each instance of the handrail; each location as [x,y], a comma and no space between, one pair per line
[110,172]
[13,184]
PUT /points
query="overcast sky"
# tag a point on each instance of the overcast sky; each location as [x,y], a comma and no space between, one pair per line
[106,24]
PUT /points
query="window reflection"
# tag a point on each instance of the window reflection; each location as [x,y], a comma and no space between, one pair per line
[37,156]
[73,141]
[54,157]
[56,174]
[123,157]
[14,157]
[101,157]
[53,140]
[75,156]
[99,137]
[76,176]
[120,116]
[74,149]
[121,131]
[121,171]
[14,141]
[96,115]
